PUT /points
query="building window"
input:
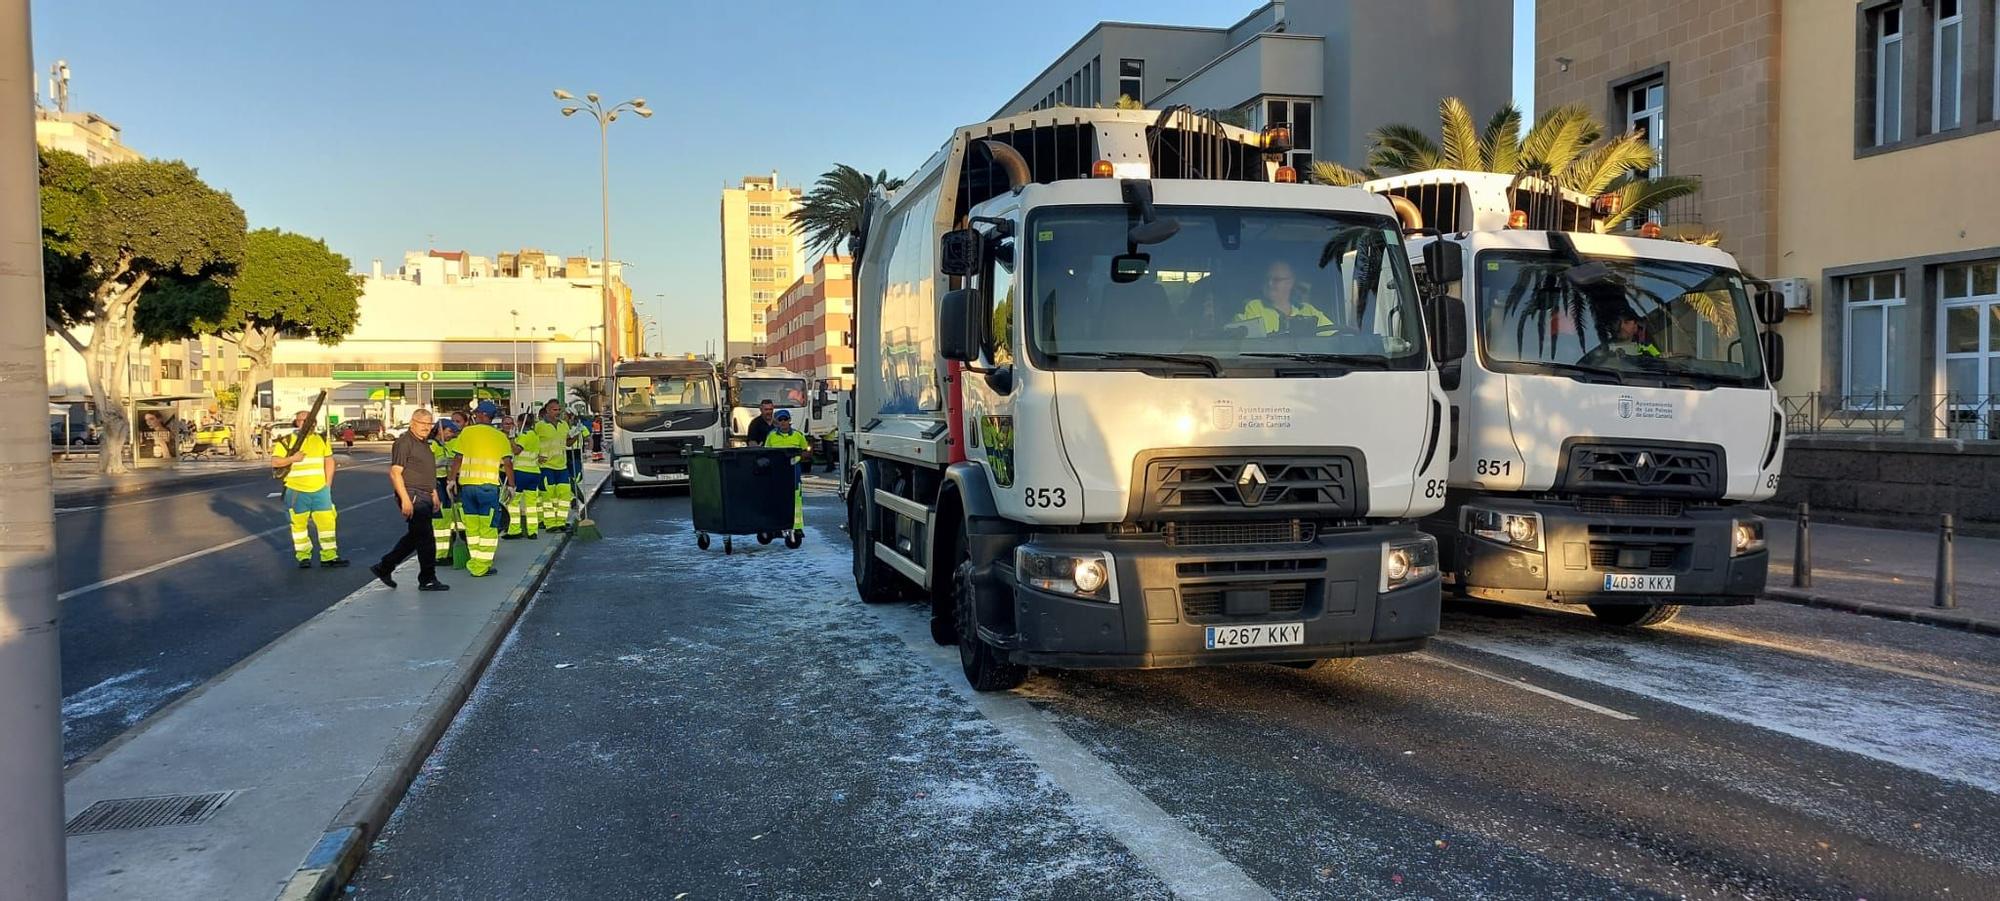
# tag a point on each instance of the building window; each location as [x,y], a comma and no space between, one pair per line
[1644,104]
[1877,328]
[170,369]
[783,273]
[1946,57]
[760,274]
[760,209]
[1887,90]
[763,253]
[1970,332]
[1132,79]
[1299,115]
[761,296]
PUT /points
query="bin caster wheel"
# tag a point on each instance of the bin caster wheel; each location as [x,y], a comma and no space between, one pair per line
[728,547]
[763,538]
[794,538]
[701,540]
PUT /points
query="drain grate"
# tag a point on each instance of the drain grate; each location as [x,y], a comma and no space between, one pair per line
[145,813]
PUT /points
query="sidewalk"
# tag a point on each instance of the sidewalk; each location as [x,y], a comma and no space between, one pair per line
[1886,572]
[308,744]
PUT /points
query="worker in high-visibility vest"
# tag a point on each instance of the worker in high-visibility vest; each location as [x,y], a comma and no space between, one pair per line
[525,517]
[308,466]
[481,465]
[783,435]
[579,436]
[553,438]
[445,522]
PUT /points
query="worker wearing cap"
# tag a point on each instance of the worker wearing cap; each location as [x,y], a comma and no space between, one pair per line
[308,471]
[525,516]
[446,520]
[783,435]
[553,437]
[481,465]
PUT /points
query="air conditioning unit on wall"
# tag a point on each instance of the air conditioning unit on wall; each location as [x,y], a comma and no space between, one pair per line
[1797,293]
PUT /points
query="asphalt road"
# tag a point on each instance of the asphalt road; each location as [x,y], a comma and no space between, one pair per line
[157,600]
[669,721]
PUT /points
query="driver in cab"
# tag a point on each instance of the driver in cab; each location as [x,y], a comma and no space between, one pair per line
[1628,336]
[1282,309]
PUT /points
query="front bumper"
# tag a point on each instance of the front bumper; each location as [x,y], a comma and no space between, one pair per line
[627,471]
[1168,597]
[1579,549]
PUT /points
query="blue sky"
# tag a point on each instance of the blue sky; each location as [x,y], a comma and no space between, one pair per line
[378,124]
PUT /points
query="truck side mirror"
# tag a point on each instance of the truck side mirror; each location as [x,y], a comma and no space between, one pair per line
[1449,346]
[1774,355]
[958,252]
[1769,303]
[959,334]
[1443,263]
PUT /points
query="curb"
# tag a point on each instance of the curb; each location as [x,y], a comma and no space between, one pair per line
[1946,619]
[340,849]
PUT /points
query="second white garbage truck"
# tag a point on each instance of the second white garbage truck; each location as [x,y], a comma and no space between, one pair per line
[1125,399]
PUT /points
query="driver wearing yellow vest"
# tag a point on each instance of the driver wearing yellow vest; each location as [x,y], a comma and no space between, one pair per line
[1281,312]
[309,494]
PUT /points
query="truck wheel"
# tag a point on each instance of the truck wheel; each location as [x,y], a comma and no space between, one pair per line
[986,667]
[871,576]
[1635,614]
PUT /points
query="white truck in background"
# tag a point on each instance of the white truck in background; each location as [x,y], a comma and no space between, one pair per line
[1081,438]
[751,383]
[1614,412]
[661,410]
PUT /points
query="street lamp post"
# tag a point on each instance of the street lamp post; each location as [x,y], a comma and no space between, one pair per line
[604,116]
[514,390]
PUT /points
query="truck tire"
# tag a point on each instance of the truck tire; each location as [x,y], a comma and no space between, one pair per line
[986,667]
[1635,614]
[872,578]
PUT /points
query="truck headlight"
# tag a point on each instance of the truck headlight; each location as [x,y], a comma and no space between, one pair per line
[1409,562]
[1746,536]
[626,469]
[1518,529]
[1085,574]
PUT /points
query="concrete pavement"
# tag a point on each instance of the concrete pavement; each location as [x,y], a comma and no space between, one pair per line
[1889,572]
[669,723]
[311,740]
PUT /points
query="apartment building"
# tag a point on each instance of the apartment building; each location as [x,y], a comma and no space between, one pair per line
[810,324]
[1847,147]
[760,256]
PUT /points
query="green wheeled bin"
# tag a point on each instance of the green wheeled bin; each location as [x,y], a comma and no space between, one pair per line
[742,491]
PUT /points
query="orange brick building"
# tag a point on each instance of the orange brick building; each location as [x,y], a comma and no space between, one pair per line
[809,328]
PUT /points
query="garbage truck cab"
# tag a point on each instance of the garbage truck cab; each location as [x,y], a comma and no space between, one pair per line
[1123,399]
[751,383]
[663,409]
[1613,411]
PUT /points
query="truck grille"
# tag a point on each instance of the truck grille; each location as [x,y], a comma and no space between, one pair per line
[1221,534]
[1216,568]
[1322,486]
[1206,602]
[653,456]
[1629,506]
[1635,469]
[1629,557]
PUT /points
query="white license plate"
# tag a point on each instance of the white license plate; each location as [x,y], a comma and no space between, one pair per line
[1634,582]
[1260,636]
[673,477]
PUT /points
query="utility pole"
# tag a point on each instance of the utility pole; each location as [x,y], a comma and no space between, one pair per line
[594,105]
[31,787]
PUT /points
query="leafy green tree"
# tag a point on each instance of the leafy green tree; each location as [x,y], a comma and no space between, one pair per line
[831,211]
[113,236]
[290,286]
[1566,145]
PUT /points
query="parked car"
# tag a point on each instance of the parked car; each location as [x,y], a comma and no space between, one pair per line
[79,433]
[365,429]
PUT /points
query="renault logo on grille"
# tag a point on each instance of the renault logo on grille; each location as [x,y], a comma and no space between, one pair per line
[1251,484]
[1645,461]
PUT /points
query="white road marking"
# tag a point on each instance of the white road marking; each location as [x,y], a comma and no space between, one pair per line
[1186,862]
[1522,684]
[127,577]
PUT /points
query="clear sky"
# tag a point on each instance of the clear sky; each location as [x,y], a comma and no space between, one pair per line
[393,125]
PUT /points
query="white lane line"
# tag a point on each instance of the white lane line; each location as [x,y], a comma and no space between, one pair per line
[1522,684]
[1890,668]
[127,577]
[1186,862]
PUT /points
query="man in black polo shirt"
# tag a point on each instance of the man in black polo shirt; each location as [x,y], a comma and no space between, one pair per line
[762,425]
[413,476]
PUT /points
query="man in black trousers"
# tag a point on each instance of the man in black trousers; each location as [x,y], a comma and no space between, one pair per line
[413,475]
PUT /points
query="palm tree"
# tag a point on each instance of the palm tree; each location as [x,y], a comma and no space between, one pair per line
[1565,146]
[832,209]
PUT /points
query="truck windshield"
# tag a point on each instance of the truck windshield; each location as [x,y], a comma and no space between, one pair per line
[1234,289]
[780,392]
[650,402]
[1617,319]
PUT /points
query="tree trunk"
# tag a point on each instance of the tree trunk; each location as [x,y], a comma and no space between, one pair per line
[112,340]
[256,344]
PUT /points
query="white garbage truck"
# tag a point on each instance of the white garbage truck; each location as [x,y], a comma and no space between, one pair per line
[662,410]
[1125,399]
[1613,412]
[751,384]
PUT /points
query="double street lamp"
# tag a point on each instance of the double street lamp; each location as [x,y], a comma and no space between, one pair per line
[604,116]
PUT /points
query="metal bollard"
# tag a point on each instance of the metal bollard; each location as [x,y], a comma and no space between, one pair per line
[1802,548]
[1946,594]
